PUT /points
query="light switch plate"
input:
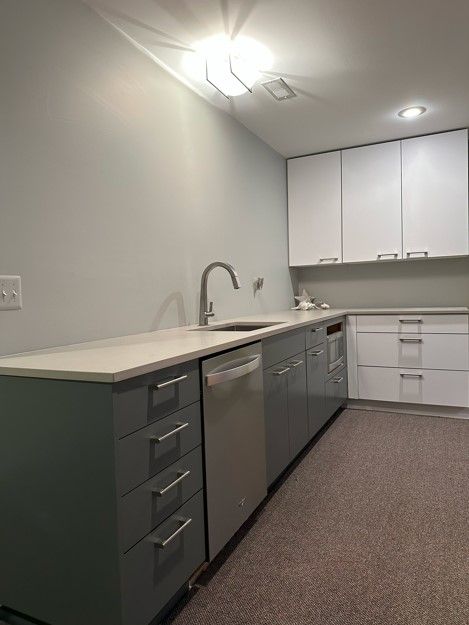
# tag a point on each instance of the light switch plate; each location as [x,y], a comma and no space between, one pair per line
[10,293]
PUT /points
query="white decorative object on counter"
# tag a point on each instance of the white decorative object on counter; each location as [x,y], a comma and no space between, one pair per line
[307,302]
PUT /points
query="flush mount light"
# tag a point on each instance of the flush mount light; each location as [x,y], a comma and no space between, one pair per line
[231,66]
[229,75]
[412,111]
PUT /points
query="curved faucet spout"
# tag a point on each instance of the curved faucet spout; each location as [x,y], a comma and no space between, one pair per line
[205,311]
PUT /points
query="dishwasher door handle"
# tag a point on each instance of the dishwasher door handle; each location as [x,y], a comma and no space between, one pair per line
[233,370]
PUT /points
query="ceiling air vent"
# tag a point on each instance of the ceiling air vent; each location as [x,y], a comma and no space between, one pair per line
[279,89]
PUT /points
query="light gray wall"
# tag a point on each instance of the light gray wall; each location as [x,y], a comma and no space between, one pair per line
[118,185]
[436,282]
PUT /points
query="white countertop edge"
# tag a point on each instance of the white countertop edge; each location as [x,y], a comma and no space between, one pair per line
[40,363]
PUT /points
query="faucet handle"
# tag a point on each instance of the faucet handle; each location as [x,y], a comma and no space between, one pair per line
[210,312]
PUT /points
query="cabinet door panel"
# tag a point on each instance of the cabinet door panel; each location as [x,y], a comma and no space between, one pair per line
[371,197]
[316,359]
[314,209]
[297,404]
[435,195]
[276,421]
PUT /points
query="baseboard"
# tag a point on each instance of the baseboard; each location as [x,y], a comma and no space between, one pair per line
[417,409]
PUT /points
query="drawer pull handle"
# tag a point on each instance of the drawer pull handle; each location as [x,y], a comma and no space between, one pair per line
[160,543]
[281,371]
[424,252]
[333,258]
[411,375]
[160,439]
[337,380]
[393,254]
[170,382]
[316,353]
[410,321]
[411,340]
[162,491]
[295,363]
[317,329]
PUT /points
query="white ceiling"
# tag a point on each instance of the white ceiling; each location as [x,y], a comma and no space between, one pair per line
[353,63]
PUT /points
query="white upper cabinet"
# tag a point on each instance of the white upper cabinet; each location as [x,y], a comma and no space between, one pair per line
[314,209]
[396,200]
[371,203]
[435,195]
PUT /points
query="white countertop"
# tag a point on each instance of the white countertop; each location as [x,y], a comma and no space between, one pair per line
[116,359]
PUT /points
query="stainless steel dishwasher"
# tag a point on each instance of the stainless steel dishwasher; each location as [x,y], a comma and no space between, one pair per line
[234,432]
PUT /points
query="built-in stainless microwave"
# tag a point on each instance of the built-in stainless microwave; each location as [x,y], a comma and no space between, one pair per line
[335,346]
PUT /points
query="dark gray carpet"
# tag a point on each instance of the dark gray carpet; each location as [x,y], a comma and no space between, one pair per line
[370,529]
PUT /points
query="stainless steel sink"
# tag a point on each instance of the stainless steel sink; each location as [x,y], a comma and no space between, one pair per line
[238,326]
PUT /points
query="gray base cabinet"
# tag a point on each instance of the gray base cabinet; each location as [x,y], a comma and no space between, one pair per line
[297,404]
[103,485]
[276,421]
[285,401]
[336,391]
[318,414]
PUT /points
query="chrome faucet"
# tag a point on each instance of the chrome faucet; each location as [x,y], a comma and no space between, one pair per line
[206,311]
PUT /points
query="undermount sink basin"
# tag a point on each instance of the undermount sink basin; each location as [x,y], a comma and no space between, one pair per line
[238,326]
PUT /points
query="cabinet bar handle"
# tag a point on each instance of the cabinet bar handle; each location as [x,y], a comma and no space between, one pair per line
[317,353]
[160,543]
[281,371]
[295,363]
[393,254]
[411,340]
[411,375]
[334,258]
[337,380]
[317,329]
[424,252]
[162,491]
[160,439]
[170,382]
[410,321]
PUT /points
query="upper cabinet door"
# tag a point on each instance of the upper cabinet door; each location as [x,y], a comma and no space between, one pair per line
[371,203]
[435,195]
[314,209]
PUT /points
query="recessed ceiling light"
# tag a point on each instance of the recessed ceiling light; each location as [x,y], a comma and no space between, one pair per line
[412,111]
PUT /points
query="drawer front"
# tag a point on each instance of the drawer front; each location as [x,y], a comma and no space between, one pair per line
[336,392]
[282,346]
[426,351]
[151,503]
[145,399]
[437,388]
[315,335]
[153,573]
[414,324]
[141,455]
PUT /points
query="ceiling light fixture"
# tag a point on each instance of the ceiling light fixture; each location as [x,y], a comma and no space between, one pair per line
[412,111]
[231,66]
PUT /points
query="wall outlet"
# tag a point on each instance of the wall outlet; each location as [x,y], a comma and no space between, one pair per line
[10,293]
